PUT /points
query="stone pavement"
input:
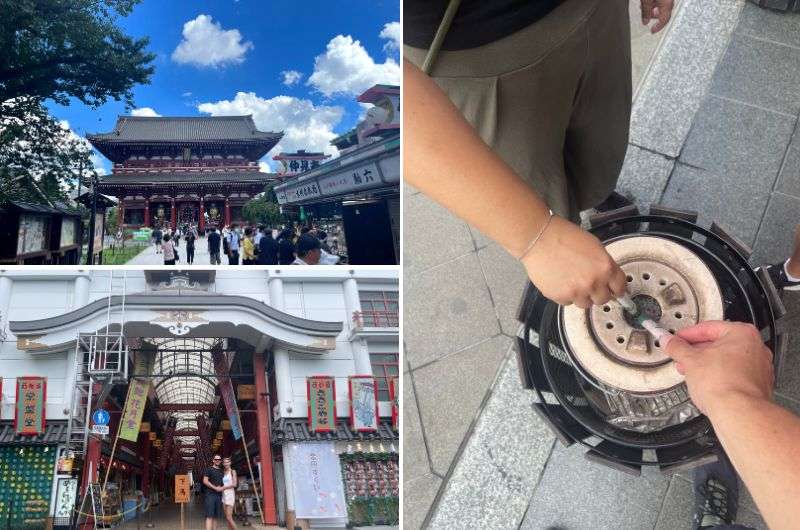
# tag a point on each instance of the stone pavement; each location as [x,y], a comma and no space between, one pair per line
[713,129]
[201,256]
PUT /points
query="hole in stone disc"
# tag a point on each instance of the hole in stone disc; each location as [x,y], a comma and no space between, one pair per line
[606,308]
[646,276]
[621,339]
[629,278]
[658,344]
[648,307]
[662,282]
[609,325]
[678,315]
[671,331]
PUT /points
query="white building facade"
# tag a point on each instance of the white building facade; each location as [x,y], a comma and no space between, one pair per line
[303,323]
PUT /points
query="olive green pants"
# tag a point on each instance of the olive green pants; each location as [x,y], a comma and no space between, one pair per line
[553,99]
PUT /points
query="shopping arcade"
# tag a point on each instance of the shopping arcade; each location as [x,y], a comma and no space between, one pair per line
[181,328]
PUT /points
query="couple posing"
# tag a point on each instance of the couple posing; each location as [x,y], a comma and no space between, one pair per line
[220,484]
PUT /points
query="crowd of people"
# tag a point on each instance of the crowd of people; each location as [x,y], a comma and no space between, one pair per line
[249,245]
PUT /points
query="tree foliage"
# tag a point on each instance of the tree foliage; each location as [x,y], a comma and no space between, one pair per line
[264,209]
[70,48]
[40,158]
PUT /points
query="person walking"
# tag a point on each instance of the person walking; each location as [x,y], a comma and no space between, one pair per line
[190,239]
[234,244]
[168,249]
[248,248]
[267,249]
[229,483]
[157,235]
[213,480]
[214,240]
[285,247]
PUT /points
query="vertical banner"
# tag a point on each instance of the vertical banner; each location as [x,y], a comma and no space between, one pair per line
[363,403]
[227,393]
[394,395]
[317,480]
[31,396]
[134,408]
[321,392]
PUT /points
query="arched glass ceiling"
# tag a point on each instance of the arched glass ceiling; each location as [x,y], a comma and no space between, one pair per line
[176,361]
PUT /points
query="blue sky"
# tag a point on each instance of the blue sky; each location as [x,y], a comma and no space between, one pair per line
[220,57]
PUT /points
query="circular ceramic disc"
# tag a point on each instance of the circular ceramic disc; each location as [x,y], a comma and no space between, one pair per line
[667,281]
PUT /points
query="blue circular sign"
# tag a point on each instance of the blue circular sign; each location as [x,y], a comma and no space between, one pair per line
[101,417]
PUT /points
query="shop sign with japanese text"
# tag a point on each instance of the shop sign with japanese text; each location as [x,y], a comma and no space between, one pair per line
[321,391]
[353,179]
[363,403]
[134,408]
[31,397]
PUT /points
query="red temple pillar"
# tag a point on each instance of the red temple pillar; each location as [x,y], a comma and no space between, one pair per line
[146,465]
[172,214]
[227,219]
[201,223]
[147,212]
[264,444]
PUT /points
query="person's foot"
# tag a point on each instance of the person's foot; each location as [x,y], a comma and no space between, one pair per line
[716,494]
[781,278]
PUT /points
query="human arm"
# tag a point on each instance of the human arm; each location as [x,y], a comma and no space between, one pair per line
[730,377]
[567,264]
[207,483]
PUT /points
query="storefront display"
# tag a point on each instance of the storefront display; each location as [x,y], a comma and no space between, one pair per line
[372,487]
[26,481]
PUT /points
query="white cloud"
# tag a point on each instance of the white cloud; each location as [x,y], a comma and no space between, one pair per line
[305,125]
[145,111]
[186,94]
[205,43]
[347,69]
[291,77]
[391,32]
[264,166]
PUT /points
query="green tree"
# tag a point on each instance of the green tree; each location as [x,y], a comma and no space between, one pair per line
[264,209]
[57,49]
[40,159]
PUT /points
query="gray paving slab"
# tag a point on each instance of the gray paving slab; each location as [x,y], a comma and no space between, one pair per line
[506,278]
[644,176]
[644,44]
[770,25]
[578,495]
[789,178]
[739,141]
[432,235]
[418,495]
[491,486]
[415,455]
[775,240]
[446,308]
[450,393]
[678,81]
[788,381]
[761,73]
[737,207]
[678,507]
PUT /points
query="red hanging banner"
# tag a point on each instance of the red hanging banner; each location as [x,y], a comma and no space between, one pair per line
[31,398]
[321,391]
[394,395]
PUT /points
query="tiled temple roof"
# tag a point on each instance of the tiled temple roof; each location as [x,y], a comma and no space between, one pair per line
[184,129]
[287,430]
